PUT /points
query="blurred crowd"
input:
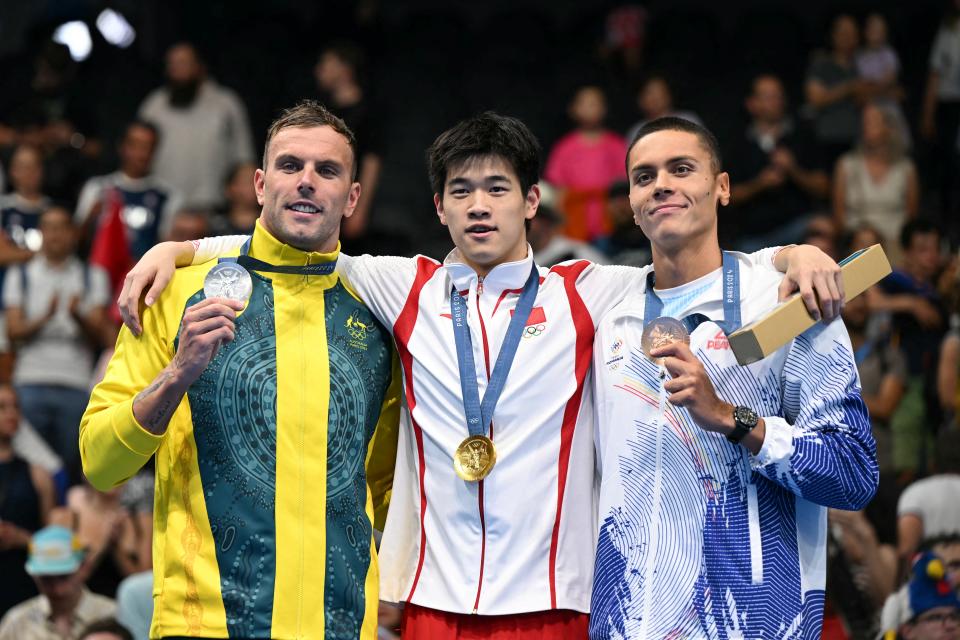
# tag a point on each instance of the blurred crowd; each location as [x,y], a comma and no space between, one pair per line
[839,170]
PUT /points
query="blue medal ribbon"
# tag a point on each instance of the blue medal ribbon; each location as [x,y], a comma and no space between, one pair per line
[252,264]
[653,307]
[479,415]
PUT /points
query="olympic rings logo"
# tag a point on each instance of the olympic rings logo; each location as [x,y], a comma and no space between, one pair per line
[534,330]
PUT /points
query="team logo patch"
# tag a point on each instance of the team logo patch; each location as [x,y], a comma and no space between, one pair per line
[718,341]
[357,330]
[536,323]
[613,363]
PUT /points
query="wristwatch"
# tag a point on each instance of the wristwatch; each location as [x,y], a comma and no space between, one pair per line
[744,420]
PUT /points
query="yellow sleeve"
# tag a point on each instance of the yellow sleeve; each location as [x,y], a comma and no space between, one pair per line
[113,445]
[382,450]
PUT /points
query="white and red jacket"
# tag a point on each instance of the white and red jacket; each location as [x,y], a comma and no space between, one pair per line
[523,539]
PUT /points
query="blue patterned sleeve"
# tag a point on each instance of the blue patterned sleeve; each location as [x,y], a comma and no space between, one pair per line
[822,448]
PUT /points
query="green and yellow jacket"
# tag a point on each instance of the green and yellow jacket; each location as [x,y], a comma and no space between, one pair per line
[274,466]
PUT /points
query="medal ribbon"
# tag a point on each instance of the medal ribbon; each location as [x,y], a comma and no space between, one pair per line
[252,264]
[653,308]
[479,415]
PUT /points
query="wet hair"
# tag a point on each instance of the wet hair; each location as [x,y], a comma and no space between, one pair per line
[670,123]
[306,114]
[486,135]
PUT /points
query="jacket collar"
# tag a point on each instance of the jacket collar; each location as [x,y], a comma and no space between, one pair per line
[263,246]
[503,277]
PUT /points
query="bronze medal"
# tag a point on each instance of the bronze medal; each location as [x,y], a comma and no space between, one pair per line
[474,458]
[661,332]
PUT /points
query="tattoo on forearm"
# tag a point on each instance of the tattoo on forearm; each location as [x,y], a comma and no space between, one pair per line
[156,420]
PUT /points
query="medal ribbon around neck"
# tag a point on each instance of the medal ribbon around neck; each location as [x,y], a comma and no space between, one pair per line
[653,306]
[480,414]
[253,264]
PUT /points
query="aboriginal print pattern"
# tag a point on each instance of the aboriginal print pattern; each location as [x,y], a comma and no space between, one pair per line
[234,415]
[360,367]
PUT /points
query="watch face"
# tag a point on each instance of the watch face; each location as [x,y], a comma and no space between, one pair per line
[746,416]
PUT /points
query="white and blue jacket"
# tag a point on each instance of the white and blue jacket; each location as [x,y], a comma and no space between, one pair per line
[697,537]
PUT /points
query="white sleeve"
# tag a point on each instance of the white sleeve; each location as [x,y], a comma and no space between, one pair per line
[88,196]
[99,294]
[603,286]
[384,282]
[911,501]
[12,295]
[207,249]
[764,257]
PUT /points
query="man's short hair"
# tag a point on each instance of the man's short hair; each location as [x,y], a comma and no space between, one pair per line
[916,227]
[306,114]
[106,625]
[488,134]
[670,123]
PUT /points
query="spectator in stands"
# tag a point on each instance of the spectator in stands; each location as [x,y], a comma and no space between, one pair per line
[106,629]
[19,218]
[203,129]
[918,324]
[876,183]
[30,445]
[55,308]
[947,548]
[928,509]
[26,498]
[339,72]
[822,233]
[107,531]
[879,65]
[189,224]
[948,372]
[834,91]
[780,174]
[940,120]
[584,163]
[861,572]
[144,202]
[65,606]
[655,100]
[934,609]
[135,604]
[551,247]
[883,374]
[628,245]
[242,211]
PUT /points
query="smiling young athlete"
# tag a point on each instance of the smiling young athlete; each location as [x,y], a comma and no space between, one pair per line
[716,477]
[263,424]
[514,547]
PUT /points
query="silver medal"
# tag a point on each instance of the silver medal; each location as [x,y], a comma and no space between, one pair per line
[228,280]
[661,332]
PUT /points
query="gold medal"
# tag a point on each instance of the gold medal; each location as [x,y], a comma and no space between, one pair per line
[474,458]
[661,332]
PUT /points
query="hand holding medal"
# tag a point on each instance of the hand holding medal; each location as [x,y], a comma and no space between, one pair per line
[662,332]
